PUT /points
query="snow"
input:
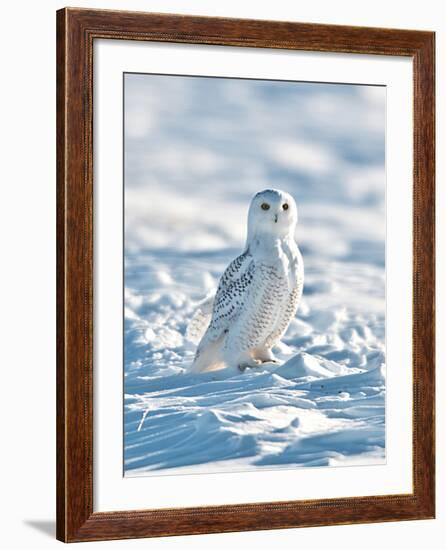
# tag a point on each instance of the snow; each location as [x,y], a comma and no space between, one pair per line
[196,150]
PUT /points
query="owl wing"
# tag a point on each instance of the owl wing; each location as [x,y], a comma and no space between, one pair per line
[230,296]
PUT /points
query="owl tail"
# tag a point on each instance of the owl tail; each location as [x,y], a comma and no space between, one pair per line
[209,356]
[200,320]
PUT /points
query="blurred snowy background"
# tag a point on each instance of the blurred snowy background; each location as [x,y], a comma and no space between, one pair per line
[196,150]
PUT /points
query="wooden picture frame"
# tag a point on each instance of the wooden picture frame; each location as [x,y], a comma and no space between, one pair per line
[76,31]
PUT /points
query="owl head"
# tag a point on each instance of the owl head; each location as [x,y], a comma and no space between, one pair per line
[272,212]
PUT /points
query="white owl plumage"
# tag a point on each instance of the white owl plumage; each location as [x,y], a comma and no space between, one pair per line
[259,292]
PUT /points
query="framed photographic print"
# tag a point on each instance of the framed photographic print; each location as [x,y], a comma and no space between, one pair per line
[245,275]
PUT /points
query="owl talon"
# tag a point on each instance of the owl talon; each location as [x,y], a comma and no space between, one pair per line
[243,366]
[265,356]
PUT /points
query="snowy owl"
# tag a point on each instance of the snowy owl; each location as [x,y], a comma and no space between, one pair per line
[259,292]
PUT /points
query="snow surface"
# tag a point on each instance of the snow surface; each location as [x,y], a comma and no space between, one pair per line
[196,150]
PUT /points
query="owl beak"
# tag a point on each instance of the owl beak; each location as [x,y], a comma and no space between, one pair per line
[276,217]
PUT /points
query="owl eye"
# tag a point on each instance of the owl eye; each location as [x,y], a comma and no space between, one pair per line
[264,206]
[285,206]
